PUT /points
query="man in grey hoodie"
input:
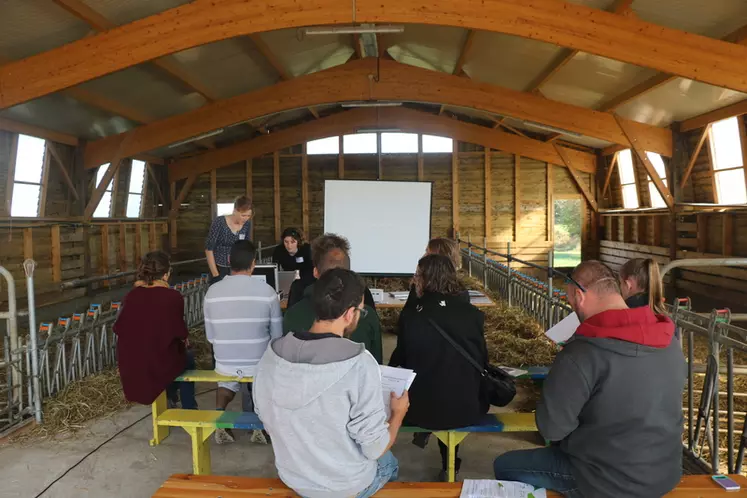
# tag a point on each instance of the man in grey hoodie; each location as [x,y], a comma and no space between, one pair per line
[612,403]
[319,396]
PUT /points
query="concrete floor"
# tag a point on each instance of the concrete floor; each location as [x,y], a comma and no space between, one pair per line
[128,467]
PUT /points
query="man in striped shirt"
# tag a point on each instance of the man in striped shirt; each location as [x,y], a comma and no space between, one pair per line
[242,314]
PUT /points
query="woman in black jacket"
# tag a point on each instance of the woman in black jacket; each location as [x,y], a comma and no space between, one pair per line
[446,393]
[293,254]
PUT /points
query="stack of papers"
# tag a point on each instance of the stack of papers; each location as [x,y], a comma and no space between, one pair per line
[514,372]
[402,296]
[394,380]
[564,329]
[483,488]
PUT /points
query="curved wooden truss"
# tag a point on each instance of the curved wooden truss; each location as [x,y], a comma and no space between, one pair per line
[407,120]
[357,81]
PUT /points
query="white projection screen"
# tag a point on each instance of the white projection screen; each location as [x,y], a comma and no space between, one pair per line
[388,224]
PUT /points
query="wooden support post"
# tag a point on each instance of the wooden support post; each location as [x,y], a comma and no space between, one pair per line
[455,186]
[172,222]
[122,252]
[488,194]
[213,194]
[657,220]
[250,189]
[341,161]
[627,228]
[139,243]
[550,204]
[694,156]
[182,195]
[517,195]
[305,191]
[98,193]
[642,229]
[28,243]
[57,253]
[44,190]
[152,246]
[582,187]
[673,245]
[156,186]
[11,173]
[104,266]
[276,193]
[702,234]
[421,174]
[727,234]
[52,149]
[608,176]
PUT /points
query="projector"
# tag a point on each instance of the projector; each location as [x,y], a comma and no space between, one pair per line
[378,295]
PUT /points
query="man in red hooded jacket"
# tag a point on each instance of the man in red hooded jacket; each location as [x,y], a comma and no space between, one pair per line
[612,403]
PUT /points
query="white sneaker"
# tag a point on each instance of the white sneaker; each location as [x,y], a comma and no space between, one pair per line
[223,436]
[258,437]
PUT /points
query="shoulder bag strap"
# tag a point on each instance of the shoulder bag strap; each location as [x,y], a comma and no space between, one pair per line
[456,346]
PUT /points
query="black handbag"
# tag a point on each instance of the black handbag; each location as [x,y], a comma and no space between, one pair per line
[498,387]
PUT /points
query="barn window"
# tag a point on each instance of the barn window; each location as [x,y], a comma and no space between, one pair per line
[104,209]
[225,208]
[360,143]
[135,192]
[627,179]
[399,143]
[329,145]
[28,176]
[728,162]
[656,200]
[432,143]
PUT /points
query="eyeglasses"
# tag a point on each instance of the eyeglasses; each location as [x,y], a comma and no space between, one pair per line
[362,311]
[569,280]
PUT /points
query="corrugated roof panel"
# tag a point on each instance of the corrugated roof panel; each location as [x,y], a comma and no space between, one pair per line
[308,54]
[715,18]
[588,80]
[60,113]
[228,67]
[146,89]
[677,100]
[430,47]
[28,27]
[124,11]
[508,61]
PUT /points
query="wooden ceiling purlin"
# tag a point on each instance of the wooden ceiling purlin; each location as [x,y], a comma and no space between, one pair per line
[399,82]
[98,22]
[401,118]
[729,111]
[623,38]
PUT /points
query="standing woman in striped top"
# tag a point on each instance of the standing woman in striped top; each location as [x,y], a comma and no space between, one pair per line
[224,232]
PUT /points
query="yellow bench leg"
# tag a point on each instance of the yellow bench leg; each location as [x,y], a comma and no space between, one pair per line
[200,449]
[451,440]
[160,432]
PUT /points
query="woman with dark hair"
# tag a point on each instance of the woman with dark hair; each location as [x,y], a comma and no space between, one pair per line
[446,393]
[224,231]
[293,254]
[444,247]
[152,337]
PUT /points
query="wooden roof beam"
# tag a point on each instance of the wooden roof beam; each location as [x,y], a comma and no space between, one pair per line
[82,11]
[397,82]
[623,38]
[36,131]
[729,111]
[401,118]
[466,49]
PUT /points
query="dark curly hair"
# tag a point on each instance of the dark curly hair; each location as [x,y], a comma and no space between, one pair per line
[323,246]
[437,273]
[153,266]
[292,232]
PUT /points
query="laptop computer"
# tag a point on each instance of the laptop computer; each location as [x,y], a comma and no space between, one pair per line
[285,280]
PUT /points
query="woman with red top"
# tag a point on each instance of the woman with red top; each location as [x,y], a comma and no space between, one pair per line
[152,337]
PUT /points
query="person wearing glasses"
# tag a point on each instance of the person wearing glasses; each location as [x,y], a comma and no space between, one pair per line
[319,396]
[328,254]
[446,393]
[612,403]
[224,231]
[293,254]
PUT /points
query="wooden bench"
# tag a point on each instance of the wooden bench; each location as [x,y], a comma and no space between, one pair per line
[200,424]
[190,486]
[160,405]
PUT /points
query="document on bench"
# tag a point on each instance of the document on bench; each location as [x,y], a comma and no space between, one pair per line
[484,488]
[514,372]
[394,380]
[564,329]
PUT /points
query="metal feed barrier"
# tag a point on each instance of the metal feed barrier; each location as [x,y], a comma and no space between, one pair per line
[712,432]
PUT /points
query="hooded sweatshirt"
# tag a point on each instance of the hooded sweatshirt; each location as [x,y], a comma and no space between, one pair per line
[319,396]
[613,400]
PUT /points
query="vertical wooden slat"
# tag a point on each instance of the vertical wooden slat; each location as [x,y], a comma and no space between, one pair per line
[673,237]
[122,252]
[657,220]
[627,228]
[743,141]
[104,267]
[421,173]
[488,194]
[213,193]
[305,191]
[139,241]
[250,188]
[57,253]
[642,230]
[550,204]
[712,171]
[276,193]
[455,186]
[11,172]
[341,162]
[702,234]
[43,191]
[28,244]
[517,195]
[152,245]
[380,171]
[727,234]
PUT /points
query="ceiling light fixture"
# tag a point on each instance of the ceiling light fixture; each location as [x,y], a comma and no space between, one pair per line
[198,137]
[353,30]
[553,129]
[371,103]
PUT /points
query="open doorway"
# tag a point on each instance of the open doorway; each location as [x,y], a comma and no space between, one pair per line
[567,230]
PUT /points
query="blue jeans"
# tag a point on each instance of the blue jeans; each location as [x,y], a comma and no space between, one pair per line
[186,389]
[387,469]
[547,468]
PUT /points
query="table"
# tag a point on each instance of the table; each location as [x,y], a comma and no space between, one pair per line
[390,302]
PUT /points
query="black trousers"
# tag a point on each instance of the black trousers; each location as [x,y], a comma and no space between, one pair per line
[444,456]
[223,271]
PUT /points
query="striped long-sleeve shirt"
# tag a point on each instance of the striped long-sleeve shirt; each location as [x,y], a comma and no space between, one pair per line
[242,315]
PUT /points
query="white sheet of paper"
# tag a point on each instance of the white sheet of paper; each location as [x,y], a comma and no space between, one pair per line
[564,329]
[514,372]
[260,277]
[402,296]
[484,488]
[394,380]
